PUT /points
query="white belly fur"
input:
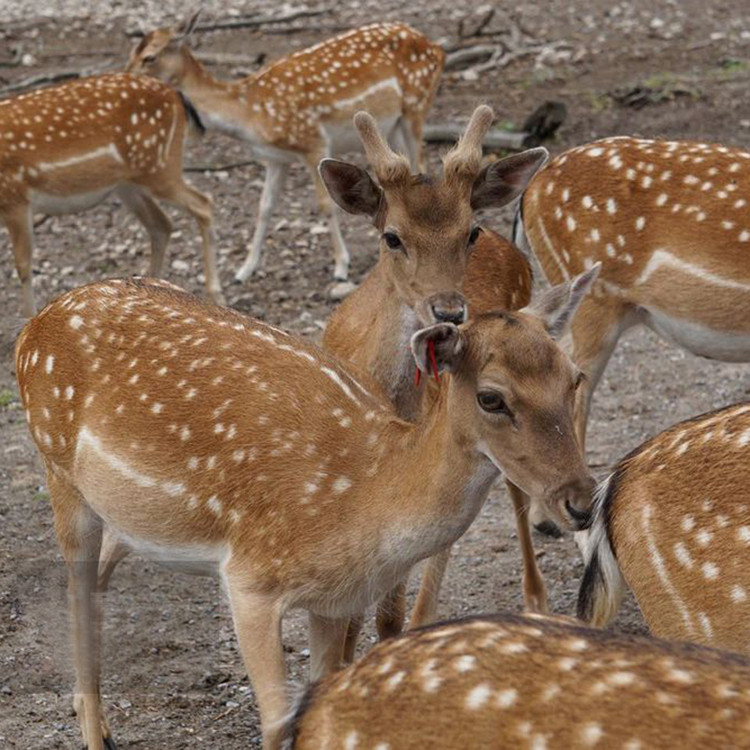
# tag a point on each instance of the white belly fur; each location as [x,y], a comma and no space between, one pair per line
[701,340]
[48,203]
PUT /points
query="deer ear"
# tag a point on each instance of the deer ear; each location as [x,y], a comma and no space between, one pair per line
[350,187]
[557,306]
[446,342]
[499,183]
[183,35]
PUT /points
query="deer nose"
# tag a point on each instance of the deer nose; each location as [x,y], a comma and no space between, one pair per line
[575,497]
[449,308]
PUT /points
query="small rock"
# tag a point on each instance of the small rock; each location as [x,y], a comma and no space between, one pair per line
[341,290]
[180,265]
[318,229]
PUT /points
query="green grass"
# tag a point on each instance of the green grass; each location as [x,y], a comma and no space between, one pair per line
[41,496]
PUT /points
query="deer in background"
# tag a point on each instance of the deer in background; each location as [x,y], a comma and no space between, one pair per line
[670,223]
[66,148]
[511,681]
[316,496]
[299,108]
[673,521]
[431,252]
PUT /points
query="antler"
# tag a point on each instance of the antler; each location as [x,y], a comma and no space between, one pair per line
[388,165]
[464,160]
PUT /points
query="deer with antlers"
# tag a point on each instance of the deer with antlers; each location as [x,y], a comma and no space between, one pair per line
[431,255]
[66,148]
[313,493]
[528,682]
[673,522]
[670,223]
[299,108]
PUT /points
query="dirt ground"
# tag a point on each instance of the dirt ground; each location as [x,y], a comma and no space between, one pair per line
[173,677]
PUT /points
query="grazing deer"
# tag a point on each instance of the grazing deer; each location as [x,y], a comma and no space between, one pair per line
[673,521]
[299,108]
[670,223]
[431,252]
[310,494]
[66,148]
[511,681]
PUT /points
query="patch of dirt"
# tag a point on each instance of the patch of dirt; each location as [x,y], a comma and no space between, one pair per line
[173,677]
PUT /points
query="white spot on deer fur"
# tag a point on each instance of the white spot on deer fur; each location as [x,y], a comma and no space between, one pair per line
[506,698]
[157,408]
[591,734]
[466,663]
[352,740]
[703,537]
[611,206]
[710,571]
[214,505]
[571,223]
[682,554]
[586,201]
[395,680]
[744,235]
[49,363]
[687,523]
[738,593]
[743,534]
[193,462]
[478,697]
[621,679]
[681,675]
[76,322]
[342,484]
[640,222]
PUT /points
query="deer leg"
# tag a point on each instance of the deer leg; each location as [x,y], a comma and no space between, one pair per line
[327,639]
[411,133]
[329,210]
[276,174]
[200,207]
[156,223]
[257,622]
[432,578]
[79,532]
[352,634]
[534,590]
[18,221]
[112,552]
[391,610]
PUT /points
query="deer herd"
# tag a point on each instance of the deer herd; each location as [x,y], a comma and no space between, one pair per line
[317,478]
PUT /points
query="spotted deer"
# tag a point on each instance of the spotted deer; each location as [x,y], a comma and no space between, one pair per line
[431,254]
[673,523]
[670,223]
[312,493]
[300,108]
[511,681]
[66,148]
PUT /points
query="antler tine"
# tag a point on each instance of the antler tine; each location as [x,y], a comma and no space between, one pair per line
[465,158]
[388,165]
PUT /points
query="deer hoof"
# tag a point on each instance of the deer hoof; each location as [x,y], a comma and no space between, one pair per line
[548,528]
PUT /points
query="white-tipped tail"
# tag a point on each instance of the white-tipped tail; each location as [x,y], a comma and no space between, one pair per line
[602,586]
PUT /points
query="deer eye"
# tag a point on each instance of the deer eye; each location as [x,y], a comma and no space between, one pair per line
[149,59]
[474,235]
[393,241]
[492,402]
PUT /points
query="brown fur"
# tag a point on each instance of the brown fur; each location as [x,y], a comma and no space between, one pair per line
[132,128]
[509,681]
[665,219]
[676,517]
[222,444]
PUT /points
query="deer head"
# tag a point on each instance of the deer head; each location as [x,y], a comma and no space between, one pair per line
[426,224]
[162,53]
[513,392]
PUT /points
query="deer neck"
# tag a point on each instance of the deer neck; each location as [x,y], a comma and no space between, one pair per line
[373,329]
[436,481]
[222,105]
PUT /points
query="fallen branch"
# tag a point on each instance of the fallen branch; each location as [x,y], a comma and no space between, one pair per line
[468,55]
[218,168]
[250,22]
[494,139]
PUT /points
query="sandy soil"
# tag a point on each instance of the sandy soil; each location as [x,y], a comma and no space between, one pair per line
[173,677]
